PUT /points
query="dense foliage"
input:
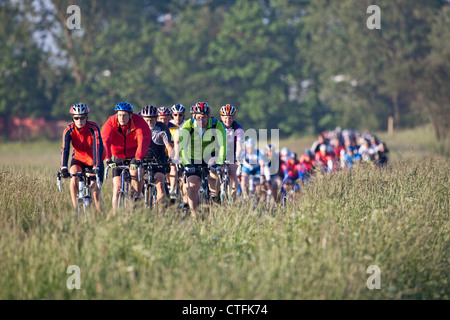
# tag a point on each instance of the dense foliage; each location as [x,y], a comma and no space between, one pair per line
[300,66]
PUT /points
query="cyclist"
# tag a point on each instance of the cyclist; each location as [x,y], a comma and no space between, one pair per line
[293,171]
[127,137]
[252,163]
[324,158]
[88,152]
[351,157]
[165,116]
[321,139]
[235,138]
[284,154]
[308,163]
[272,166]
[338,152]
[200,146]
[161,139]
[381,156]
[366,151]
[178,111]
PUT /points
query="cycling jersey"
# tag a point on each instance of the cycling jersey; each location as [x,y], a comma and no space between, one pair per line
[86,142]
[350,159]
[235,135]
[160,137]
[272,165]
[308,165]
[326,161]
[132,140]
[292,170]
[196,146]
[175,130]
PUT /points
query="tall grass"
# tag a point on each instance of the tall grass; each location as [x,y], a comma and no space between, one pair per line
[318,247]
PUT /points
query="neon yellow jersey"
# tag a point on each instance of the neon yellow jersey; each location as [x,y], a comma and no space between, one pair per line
[175,130]
[194,146]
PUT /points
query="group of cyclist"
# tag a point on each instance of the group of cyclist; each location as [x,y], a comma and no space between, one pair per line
[186,146]
[129,138]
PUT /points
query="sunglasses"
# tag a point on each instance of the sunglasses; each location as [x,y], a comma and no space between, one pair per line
[79,118]
[178,115]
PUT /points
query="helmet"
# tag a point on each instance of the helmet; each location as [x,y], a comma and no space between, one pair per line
[162,111]
[79,108]
[201,107]
[124,106]
[270,147]
[250,143]
[309,152]
[285,151]
[149,111]
[227,110]
[178,108]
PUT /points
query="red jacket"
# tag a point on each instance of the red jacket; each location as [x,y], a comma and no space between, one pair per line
[323,160]
[86,143]
[308,165]
[126,142]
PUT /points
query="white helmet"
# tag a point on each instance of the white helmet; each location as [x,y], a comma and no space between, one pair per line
[250,143]
[285,151]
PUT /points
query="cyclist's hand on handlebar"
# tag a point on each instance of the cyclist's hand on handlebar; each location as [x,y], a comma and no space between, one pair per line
[111,163]
[65,172]
[135,163]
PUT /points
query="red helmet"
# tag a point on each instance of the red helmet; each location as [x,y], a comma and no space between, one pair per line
[79,108]
[227,110]
[162,111]
[201,107]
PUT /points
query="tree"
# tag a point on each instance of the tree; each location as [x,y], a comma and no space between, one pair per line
[432,85]
[367,75]
[21,84]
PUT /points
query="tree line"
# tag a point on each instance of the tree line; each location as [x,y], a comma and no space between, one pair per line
[301,66]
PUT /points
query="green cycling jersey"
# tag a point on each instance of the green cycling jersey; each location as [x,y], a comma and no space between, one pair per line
[198,145]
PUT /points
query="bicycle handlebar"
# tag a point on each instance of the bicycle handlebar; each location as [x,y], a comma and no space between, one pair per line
[78,174]
[122,167]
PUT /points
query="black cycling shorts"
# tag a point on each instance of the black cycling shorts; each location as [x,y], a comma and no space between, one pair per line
[120,162]
[84,166]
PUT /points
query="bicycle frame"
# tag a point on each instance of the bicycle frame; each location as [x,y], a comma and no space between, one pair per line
[224,180]
[150,193]
[84,190]
[125,177]
[203,192]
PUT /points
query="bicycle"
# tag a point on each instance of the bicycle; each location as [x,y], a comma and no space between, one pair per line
[203,192]
[84,189]
[224,180]
[150,193]
[125,185]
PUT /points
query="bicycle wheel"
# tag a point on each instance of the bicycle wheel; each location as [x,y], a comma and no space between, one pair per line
[149,196]
[225,191]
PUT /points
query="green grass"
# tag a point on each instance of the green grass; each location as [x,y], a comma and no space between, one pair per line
[318,247]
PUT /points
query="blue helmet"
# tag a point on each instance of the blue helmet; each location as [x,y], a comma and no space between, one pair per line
[124,106]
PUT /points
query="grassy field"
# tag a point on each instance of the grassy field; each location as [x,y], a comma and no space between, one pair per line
[318,247]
